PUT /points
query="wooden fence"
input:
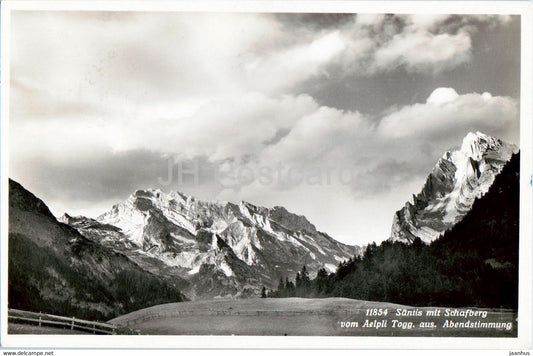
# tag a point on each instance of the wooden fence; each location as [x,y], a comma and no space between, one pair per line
[42,319]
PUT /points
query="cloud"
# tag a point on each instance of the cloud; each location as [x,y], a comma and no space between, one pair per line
[445,112]
[144,61]
[317,136]
[442,95]
[293,65]
[90,186]
[348,152]
[419,43]
[218,129]
[230,128]
[423,51]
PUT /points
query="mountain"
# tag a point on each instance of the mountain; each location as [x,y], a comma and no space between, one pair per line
[485,243]
[54,269]
[456,181]
[221,249]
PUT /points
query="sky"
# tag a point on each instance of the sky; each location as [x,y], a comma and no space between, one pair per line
[338,117]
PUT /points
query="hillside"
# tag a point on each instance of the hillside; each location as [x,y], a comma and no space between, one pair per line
[54,269]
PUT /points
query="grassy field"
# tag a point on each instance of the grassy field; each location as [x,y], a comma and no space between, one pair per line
[299,316]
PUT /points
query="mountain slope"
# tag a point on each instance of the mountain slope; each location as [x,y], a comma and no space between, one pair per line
[220,248]
[53,268]
[457,179]
[488,239]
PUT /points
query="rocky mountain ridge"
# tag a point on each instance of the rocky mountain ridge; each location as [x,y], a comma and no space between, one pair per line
[456,181]
[222,249]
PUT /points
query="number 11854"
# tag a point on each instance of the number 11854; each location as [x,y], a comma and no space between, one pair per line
[377,312]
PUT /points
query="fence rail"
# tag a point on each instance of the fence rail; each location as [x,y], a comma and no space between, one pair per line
[43,319]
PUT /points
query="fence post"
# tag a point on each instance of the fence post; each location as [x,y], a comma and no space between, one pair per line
[94,327]
[72,325]
[39,319]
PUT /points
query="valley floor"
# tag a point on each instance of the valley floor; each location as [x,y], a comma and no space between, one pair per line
[317,317]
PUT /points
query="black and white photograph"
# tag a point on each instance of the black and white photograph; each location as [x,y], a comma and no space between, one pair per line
[273,172]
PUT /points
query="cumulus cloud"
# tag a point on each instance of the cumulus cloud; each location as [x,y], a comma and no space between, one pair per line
[446,112]
[442,95]
[384,154]
[318,135]
[376,158]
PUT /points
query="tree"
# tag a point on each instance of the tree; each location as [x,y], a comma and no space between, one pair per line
[281,289]
[289,288]
[305,289]
[321,280]
[305,275]
[298,280]
[281,286]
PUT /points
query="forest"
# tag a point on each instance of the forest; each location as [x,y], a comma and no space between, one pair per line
[41,280]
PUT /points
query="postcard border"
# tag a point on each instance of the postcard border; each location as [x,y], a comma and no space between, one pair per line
[522,8]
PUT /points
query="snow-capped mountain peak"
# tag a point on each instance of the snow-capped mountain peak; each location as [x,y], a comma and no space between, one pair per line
[479,145]
[241,244]
[458,178]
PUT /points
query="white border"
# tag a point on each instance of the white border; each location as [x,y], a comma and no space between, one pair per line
[4,155]
[523,341]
